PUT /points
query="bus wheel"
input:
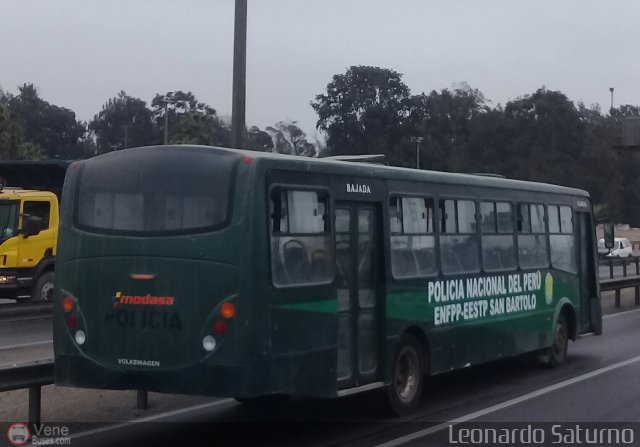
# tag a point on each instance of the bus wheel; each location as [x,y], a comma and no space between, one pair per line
[558,350]
[403,393]
[43,291]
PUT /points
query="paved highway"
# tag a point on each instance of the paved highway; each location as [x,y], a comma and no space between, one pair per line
[24,340]
[599,383]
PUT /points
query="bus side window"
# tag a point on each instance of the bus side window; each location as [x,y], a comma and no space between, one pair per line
[300,238]
[498,247]
[459,237]
[532,236]
[562,241]
[412,237]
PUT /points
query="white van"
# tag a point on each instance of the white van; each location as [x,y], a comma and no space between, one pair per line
[621,248]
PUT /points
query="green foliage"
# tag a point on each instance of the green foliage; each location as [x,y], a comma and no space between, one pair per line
[288,138]
[30,151]
[259,140]
[189,121]
[199,128]
[363,111]
[31,127]
[123,122]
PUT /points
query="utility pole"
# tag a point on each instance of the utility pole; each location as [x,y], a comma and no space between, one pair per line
[166,100]
[611,109]
[239,76]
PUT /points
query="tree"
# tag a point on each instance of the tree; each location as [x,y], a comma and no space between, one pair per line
[288,138]
[199,128]
[7,128]
[259,140]
[189,121]
[34,123]
[124,122]
[443,121]
[363,110]
[547,135]
[626,110]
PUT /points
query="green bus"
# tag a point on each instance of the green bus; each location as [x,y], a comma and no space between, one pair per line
[204,270]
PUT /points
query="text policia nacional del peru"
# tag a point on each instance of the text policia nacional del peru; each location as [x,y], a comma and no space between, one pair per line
[464,299]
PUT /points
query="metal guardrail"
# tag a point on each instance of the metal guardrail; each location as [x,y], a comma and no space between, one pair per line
[617,284]
[10,311]
[32,375]
[629,264]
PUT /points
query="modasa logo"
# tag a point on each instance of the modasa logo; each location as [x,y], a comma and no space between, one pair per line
[141,300]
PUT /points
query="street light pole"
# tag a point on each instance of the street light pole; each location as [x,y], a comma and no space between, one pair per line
[418,141]
[166,122]
[167,100]
[239,76]
[611,109]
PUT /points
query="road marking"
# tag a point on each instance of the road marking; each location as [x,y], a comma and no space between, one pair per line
[26,345]
[509,403]
[155,417]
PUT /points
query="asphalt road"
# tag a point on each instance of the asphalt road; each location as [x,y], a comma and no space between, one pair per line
[599,383]
[24,340]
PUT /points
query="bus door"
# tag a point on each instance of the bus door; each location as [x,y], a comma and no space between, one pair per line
[590,314]
[358,277]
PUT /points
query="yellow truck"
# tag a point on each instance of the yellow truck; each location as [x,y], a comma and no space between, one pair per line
[29,217]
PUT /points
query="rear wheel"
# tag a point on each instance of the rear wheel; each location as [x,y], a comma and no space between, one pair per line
[405,389]
[557,352]
[43,291]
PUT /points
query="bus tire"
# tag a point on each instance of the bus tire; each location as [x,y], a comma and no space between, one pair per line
[407,377]
[557,352]
[43,290]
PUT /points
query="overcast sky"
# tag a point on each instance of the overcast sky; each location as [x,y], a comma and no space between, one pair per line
[80,53]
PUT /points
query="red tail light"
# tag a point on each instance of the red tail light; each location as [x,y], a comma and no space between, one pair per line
[72,322]
[220,327]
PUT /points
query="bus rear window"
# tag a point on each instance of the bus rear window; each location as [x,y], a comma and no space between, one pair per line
[155,191]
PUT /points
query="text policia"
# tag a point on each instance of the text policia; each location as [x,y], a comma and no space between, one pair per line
[457,300]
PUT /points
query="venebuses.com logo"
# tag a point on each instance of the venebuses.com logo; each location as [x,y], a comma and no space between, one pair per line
[18,433]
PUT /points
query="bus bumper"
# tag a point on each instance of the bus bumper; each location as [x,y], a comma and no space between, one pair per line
[200,379]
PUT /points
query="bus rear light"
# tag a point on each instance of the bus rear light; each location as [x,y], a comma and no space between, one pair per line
[67,304]
[228,310]
[209,343]
[220,327]
[143,276]
[72,322]
[80,337]
[247,160]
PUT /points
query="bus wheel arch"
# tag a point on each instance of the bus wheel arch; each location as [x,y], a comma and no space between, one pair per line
[564,329]
[425,347]
[570,315]
[407,374]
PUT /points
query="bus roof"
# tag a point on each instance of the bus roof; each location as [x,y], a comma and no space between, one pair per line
[396,173]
